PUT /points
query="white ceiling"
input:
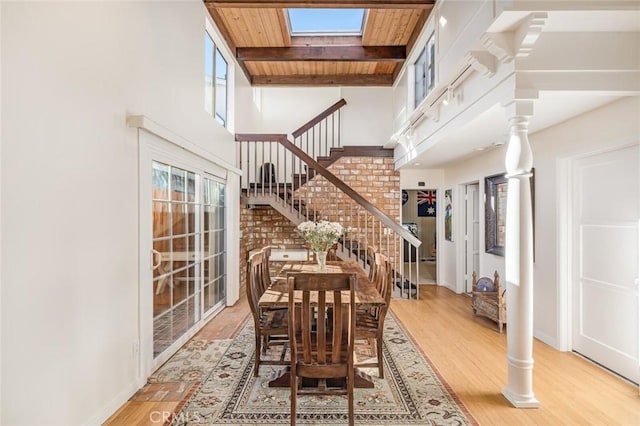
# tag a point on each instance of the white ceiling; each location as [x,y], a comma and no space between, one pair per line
[490,130]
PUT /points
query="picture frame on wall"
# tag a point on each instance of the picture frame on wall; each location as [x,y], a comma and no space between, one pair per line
[448,215]
[495,212]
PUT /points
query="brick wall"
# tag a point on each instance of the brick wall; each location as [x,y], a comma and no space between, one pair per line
[373,177]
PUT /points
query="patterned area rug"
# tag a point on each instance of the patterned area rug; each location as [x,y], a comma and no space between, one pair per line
[412,393]
[193,362]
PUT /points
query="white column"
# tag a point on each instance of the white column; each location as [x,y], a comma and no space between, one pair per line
[519,260]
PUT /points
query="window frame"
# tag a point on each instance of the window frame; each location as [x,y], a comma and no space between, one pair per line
[424,71]
[213,109]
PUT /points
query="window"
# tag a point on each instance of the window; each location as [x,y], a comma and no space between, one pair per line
[425,71]
[326,21]
[221,89]
[215,81]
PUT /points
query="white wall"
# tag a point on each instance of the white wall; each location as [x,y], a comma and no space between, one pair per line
[365,120]
[71,73]
[613,125]
[432,178]
[367,117]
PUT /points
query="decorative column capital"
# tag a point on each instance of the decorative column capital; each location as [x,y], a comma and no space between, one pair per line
[519,158]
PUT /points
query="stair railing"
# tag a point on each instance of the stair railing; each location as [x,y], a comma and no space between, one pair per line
[321,133]
[277,172]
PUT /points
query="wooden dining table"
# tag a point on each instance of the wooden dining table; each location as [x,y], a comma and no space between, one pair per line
[277,295]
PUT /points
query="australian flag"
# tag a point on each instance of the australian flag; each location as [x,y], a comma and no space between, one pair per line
[426,203]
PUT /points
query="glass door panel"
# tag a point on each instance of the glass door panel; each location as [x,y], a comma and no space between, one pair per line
[188,251]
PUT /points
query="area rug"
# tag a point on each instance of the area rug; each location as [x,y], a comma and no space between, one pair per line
[412,393]
[193,362]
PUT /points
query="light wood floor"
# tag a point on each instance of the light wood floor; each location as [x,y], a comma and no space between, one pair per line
[470,354]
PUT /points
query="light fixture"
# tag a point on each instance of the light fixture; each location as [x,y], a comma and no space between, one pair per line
[443,21]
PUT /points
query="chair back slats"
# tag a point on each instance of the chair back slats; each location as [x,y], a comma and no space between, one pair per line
[337,325]
[307,321]
[333,295]
[322,330]
[255,270]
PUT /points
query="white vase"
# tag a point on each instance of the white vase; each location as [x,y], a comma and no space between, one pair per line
[321,258]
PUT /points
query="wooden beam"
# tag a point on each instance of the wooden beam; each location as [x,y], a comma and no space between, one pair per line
[364,4]
[422,20]
[323,80]
[323,53]
[219,22]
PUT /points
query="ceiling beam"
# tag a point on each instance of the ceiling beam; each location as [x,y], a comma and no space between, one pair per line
[364,4]
[324,80]
[323,53]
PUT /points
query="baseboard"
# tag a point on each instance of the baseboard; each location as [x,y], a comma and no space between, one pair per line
[449,286]
[545,338]
[113,405]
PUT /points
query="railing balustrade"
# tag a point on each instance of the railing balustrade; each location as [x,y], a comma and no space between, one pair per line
[277,172]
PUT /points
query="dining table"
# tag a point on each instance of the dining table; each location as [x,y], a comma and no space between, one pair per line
[277,295]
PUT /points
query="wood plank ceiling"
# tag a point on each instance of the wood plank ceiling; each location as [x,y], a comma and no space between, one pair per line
[258,34]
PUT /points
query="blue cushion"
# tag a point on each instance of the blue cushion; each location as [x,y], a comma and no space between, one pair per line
[485,284]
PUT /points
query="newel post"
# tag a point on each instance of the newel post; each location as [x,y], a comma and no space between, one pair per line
[519,259]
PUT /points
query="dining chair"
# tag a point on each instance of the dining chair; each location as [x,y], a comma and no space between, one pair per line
[271,326]
[321,335]
[267,278]
[370,322]
[370,260]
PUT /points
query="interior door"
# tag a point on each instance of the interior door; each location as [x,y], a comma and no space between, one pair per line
[472,200]
[605,260]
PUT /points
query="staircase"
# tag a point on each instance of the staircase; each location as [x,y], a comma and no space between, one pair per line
[289,177]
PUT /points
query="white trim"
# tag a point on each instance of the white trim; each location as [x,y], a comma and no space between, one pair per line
[459,235]
[563,251]
[153,147]
[144,122]
[112,406]
[545,338]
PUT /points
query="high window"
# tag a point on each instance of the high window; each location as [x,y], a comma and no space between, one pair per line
[215,81]
[425,71]
[326,21]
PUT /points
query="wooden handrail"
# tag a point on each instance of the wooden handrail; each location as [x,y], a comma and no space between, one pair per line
[318,118]
[355,196]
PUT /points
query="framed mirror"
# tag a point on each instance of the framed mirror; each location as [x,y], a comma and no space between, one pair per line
[495,213]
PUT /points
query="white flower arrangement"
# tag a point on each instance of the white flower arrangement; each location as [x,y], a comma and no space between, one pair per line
[320,236]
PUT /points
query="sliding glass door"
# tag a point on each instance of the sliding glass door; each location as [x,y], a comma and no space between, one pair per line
[189,276]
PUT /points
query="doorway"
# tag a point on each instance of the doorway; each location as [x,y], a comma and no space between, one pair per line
[188,248]
[604,266]
[472,233]
[419,216]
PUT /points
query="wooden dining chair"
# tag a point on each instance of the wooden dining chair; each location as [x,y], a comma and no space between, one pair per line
[271,326]
[370,322]
[267,278]
[321,335]
[370,260]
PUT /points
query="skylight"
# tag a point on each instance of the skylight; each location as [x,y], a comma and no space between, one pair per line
[326,21]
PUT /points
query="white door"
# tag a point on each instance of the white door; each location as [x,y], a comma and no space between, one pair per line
[605,260]
[472,234]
